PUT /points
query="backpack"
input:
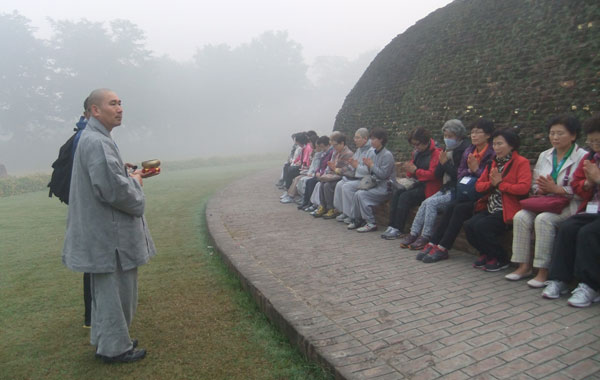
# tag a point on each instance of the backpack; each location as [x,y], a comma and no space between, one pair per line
[60,182]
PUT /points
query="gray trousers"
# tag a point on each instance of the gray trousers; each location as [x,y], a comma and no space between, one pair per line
[344,192]
[114,301]
[364,201]
[326,192]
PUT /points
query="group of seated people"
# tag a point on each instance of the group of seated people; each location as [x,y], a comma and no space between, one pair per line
[483,185]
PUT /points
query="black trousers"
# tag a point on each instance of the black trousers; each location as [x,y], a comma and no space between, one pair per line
[402,202]
[291,173]
[87,299]
[453,217]
[308,190]
[484,231]
[576,250]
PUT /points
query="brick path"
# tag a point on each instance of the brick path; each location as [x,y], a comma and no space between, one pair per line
[368,310]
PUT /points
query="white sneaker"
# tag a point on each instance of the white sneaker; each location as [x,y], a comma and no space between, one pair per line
[583,296]
[554,289]
[390,233]
[286,199]
[285,194]
[367,228]
[341,217]
[348,220]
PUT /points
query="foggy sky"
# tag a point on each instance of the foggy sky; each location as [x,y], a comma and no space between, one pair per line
[177,27]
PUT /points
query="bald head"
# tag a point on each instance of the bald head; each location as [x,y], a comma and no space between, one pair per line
[105,106]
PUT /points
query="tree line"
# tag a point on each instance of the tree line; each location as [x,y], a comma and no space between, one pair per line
[226,100]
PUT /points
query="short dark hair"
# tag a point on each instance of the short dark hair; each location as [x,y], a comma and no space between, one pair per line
[486,125]
[338,137]
[380,134]
[323,140]
[420,134]
[510,135]
[311,133]
[302,138]
[592,124]
[86,104]
[569,121]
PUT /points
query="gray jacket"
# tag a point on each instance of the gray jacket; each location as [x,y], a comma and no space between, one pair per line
[106,209]
[384,167]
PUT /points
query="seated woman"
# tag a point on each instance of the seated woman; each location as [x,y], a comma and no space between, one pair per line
[576,251]
[311,184]
[301,161]
[504,182]
[474,160]
[382,170]
[421,168]
[446,170]
[552,176]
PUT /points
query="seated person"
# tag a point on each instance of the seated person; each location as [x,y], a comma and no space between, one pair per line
[347,186]
[312,183]
[474,161]
[336,168]
[291,157]
[446,170]
[504,182]
[552,175]
[301,161]
[421,168]
[576,251]
[298,184]
[382,171]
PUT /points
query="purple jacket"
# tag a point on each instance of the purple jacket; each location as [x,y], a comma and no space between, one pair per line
[463,168]
[324,160]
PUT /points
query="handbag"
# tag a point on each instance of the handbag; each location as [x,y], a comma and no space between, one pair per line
[367,182]
[545,203]
[465,189]
[329,177]
[405,183]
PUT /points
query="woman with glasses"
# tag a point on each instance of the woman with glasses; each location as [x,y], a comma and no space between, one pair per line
[474,160]
[576,251]
[421,168]
[552,176]
[504,182]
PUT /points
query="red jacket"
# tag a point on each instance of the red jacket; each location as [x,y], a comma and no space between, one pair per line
[579,179]
[515,184]
[427,176]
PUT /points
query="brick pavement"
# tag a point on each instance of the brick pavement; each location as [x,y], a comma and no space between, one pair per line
[367,309]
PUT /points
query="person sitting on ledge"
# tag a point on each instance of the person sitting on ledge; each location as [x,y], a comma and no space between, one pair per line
[421,169]
[301,161]
[347,186]
[552,175]
[474,161]
[291,158]
[336,168]
[312,185]
[298,186]
[504,182]
[576,251]
[382,170]
[454,138]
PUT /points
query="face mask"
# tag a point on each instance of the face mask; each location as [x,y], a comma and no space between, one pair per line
[450,143]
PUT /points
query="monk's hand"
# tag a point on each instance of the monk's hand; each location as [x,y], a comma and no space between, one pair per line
[354,163]
[138,176]
[367,161]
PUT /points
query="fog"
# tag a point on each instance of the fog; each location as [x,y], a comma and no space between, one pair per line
[227,99]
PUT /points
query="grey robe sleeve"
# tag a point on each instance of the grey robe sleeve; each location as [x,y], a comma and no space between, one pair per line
[111,183]
[385,167]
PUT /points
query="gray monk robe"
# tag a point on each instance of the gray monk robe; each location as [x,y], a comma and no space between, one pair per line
[106,236]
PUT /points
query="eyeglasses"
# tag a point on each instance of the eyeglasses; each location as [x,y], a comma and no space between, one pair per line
[476,132]
[593,142]
[557,134]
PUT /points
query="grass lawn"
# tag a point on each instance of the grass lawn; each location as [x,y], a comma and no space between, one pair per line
[193,316]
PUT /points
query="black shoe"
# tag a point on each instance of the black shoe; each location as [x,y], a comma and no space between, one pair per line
[435,256]
[134,343]
[303,206]
[480,262]
[130,356]
[495,265]
[425,251]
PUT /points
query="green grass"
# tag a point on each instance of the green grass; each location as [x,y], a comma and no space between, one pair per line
[193,317]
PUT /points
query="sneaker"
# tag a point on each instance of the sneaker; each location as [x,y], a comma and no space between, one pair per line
[331,214]
[419,244]
[340,218]
[425,251]
[367,228]
[583,296]
[299,200]
[388,229]
[392,234]
[437,254]
[348,220]
[286,199]
[494,265]
[480,262]
[310,208]
[319,212]
[303,206]
[554,289]
[407,240]
[355,224]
